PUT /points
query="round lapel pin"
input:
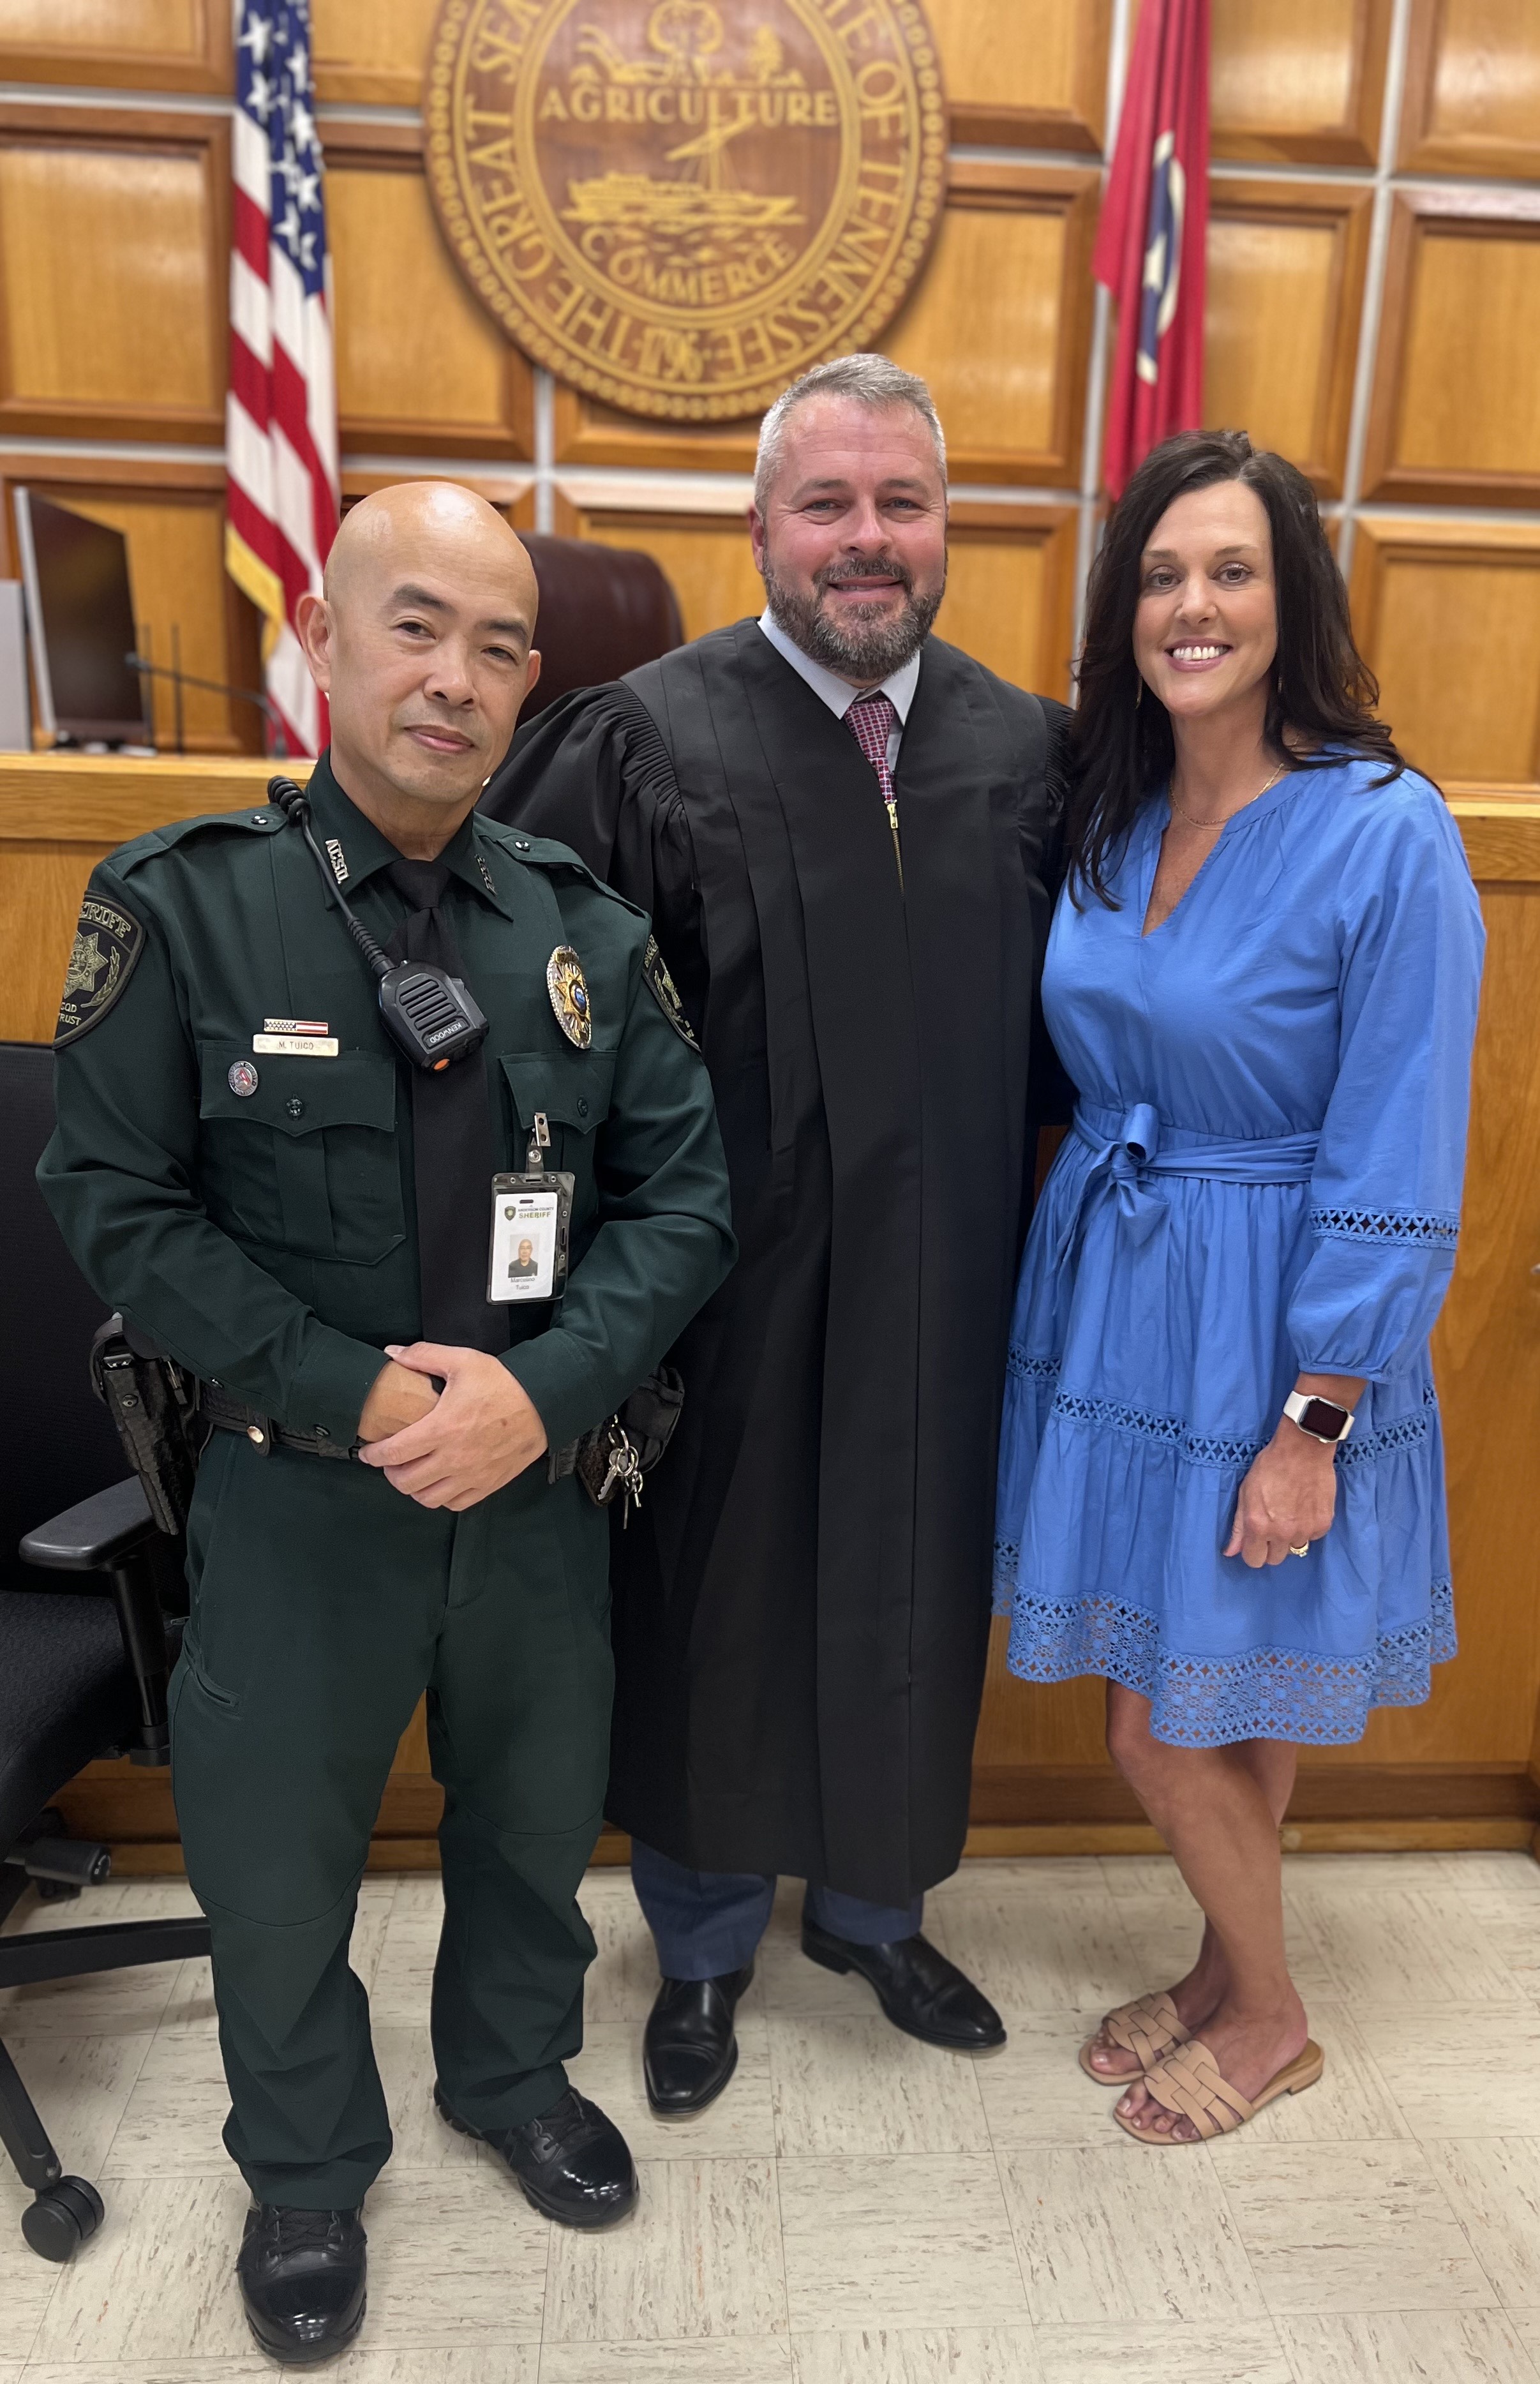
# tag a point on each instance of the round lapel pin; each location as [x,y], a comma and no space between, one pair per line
[242,1080]
[569,996]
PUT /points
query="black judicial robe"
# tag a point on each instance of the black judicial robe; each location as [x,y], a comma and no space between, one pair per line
[802,1608]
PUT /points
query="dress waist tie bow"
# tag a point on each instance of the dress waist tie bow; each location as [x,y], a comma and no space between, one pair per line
[1126,1153]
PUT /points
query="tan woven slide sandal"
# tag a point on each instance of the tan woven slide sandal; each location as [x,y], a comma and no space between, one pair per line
[1188,2082]
[1148,2028]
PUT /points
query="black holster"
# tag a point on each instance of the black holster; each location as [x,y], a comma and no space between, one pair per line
[154,1405]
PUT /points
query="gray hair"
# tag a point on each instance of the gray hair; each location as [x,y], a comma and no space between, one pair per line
[872,381]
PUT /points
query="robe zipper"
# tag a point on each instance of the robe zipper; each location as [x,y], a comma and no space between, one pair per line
[891,805]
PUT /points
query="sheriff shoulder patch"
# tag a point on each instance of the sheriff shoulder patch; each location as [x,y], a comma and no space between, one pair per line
[108,944]
[655,968]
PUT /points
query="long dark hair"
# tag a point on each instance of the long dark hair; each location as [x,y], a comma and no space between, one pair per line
[1322,689]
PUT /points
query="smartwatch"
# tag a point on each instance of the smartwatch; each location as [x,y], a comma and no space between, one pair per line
[1322,1418]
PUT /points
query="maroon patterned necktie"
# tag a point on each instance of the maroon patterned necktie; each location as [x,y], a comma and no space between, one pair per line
[871,720]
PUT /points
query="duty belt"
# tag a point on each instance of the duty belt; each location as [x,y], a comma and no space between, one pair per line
[226,1414]
[266,1433]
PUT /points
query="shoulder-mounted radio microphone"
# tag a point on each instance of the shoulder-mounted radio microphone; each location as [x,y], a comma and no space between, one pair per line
[428,1014]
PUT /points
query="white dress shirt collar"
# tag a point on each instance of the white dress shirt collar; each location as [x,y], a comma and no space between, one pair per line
[836,692]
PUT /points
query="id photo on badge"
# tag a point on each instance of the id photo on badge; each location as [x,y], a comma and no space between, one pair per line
[524,1246]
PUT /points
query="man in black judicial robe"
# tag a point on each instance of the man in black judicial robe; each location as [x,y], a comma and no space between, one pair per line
[847,834]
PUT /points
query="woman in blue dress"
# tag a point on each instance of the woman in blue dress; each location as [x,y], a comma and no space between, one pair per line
[1262,979]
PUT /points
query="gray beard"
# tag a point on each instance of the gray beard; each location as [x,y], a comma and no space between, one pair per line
[868,654]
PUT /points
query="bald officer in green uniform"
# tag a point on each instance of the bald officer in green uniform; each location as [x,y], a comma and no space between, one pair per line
[247,1166]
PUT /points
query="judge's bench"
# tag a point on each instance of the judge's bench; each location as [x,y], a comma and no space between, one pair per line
[1462,1770]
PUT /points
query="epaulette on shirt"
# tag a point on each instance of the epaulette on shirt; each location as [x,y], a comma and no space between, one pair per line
[544,853]
[255,819]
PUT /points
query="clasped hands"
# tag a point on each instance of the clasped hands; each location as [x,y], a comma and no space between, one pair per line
[451,1447]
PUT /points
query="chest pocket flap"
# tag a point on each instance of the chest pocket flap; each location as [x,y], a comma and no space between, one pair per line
[572,1090]
[307,1158]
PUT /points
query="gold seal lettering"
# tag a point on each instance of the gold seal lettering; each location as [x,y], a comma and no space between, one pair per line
[677,204]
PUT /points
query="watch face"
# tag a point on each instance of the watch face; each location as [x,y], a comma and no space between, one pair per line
[1326,1420]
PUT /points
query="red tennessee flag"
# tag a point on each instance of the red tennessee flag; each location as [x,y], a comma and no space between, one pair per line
[1149,245]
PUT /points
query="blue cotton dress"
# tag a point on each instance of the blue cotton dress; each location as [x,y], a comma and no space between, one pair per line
[1264,1179]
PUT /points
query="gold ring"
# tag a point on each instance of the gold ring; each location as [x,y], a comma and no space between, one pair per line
[1299,1552]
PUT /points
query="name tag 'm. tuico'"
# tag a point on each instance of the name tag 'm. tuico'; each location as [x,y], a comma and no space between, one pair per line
[303,1038]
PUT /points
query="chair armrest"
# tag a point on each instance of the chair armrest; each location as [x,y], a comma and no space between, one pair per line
[94,1536]
[115,1535]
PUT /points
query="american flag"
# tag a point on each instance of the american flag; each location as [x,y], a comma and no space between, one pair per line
[281,415]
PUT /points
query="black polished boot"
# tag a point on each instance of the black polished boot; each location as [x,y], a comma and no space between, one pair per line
[572,2164]
[688,2050]
[303,2279]
[920,1991]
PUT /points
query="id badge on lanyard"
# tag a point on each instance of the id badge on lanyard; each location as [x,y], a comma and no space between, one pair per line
[531,1225]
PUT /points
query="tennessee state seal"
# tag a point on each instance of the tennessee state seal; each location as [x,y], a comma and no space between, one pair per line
[680,204]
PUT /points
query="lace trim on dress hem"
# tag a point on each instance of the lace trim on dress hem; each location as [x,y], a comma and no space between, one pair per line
[1193,1448]
[1405,1432]
[1312,1699]
[1441,1230]
[1213,1449]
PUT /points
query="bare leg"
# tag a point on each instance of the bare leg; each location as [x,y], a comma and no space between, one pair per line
[1216,1807]
[1273,1763]
[1198,1995]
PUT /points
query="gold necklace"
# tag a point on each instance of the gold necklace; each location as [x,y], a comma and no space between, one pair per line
[1193,822]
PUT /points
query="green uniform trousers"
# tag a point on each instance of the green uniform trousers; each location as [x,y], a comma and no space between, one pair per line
[323,1603]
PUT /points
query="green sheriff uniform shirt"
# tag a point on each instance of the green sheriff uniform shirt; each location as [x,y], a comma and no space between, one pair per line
[266,1236]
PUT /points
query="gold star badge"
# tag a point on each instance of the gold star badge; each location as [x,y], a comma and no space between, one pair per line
[569,996]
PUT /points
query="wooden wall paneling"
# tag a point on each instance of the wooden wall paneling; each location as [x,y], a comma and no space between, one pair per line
[113,273]
[371,51]
[421,369]
[1009,599]
[587,432]
[1303,84]
[1285,285]
[1472,91]
[509,491]
[173,516]
[1456,412]
[705,556]
[1001,325]
[1486,1356]
[1447,615]
[118,45]
[1033,73]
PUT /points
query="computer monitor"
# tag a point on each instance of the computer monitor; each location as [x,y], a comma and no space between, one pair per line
[80,613]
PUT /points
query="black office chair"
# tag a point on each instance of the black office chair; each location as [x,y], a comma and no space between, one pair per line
[604,610]
[83,1674]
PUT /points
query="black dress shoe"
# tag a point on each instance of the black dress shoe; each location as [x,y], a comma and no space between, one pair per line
[574,2164]
[689,2052]
[920,1991]
[303,2277]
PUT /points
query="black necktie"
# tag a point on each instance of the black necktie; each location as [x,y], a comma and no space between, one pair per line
[451,1139]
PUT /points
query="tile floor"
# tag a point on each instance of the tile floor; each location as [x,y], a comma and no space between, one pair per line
[858,2209]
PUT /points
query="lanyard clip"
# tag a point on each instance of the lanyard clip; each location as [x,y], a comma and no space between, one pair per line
[539,1143]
